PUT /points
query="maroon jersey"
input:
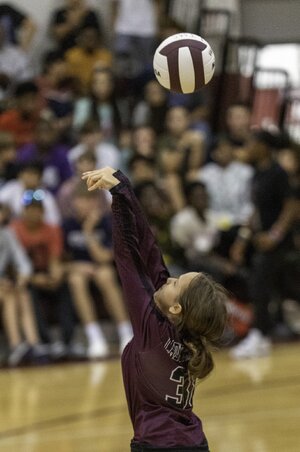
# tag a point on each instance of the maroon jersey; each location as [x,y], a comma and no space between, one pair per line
[158,387]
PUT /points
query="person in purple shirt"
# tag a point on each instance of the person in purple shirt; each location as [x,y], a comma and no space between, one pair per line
[175,320]
[50,153]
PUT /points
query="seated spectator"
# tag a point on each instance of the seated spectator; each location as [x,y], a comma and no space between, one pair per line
[15,65]
[8,154]
[57,89]
[228,183]
[195,230]
[158,209]
[46,149]
[85,162]
[44,245]
[142,169]
[91,139]
[88,55]
[18,319]
[172,172]
[144,141]
[178,135]
[22,119]
[29,184]
[66,23]
[101,105]
[19,27]
[88,242]
[139,142]
[152,110]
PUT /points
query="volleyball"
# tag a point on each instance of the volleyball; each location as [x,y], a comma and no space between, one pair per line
[184,63]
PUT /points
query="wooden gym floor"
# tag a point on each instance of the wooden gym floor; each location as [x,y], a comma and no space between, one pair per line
[250,406]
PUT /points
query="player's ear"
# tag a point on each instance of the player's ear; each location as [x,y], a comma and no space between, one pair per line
[175,309]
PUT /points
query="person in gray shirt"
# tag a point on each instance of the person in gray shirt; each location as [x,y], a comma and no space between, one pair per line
[14,296]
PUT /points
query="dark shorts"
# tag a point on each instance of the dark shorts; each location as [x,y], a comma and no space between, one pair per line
[146,448]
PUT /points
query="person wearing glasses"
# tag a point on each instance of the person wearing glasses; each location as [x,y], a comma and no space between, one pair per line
[29,180]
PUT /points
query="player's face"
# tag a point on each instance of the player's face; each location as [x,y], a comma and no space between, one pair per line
[167,296]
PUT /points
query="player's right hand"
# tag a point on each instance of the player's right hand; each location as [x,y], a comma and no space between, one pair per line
[101,178]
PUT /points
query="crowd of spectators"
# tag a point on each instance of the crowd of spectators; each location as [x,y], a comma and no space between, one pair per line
[225,202]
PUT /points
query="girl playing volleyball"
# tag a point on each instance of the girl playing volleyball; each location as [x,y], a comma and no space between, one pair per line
[174,321]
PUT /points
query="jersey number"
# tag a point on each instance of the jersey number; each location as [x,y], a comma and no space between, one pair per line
[184,389]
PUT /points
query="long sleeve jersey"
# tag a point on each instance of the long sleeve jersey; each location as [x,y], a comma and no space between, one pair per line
[158,387]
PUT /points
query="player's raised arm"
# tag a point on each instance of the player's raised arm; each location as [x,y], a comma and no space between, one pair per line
[128,242]
[148,248]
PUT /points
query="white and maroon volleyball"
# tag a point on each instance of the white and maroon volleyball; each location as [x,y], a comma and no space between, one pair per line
[184,63]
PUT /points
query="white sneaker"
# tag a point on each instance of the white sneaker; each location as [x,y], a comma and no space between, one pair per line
[253,346]
[97,350]
[19,354]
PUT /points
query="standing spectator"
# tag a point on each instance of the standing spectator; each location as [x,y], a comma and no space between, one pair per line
[101,105]
[22,119]
[19,28]
[66,23]
[289,159]
[135,26]
[8,154]
[87,55]
[88,241]
[15,65]
[29,184]
[270,237]
[46,149]
[44,245]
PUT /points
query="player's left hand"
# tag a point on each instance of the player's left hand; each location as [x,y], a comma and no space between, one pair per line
[101,178]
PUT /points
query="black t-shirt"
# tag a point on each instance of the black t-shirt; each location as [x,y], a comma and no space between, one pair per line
[60,17]
[270,188]
[10,20]
[75,242]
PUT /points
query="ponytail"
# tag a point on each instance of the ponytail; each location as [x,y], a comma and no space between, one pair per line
[201,361]
[202,323]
